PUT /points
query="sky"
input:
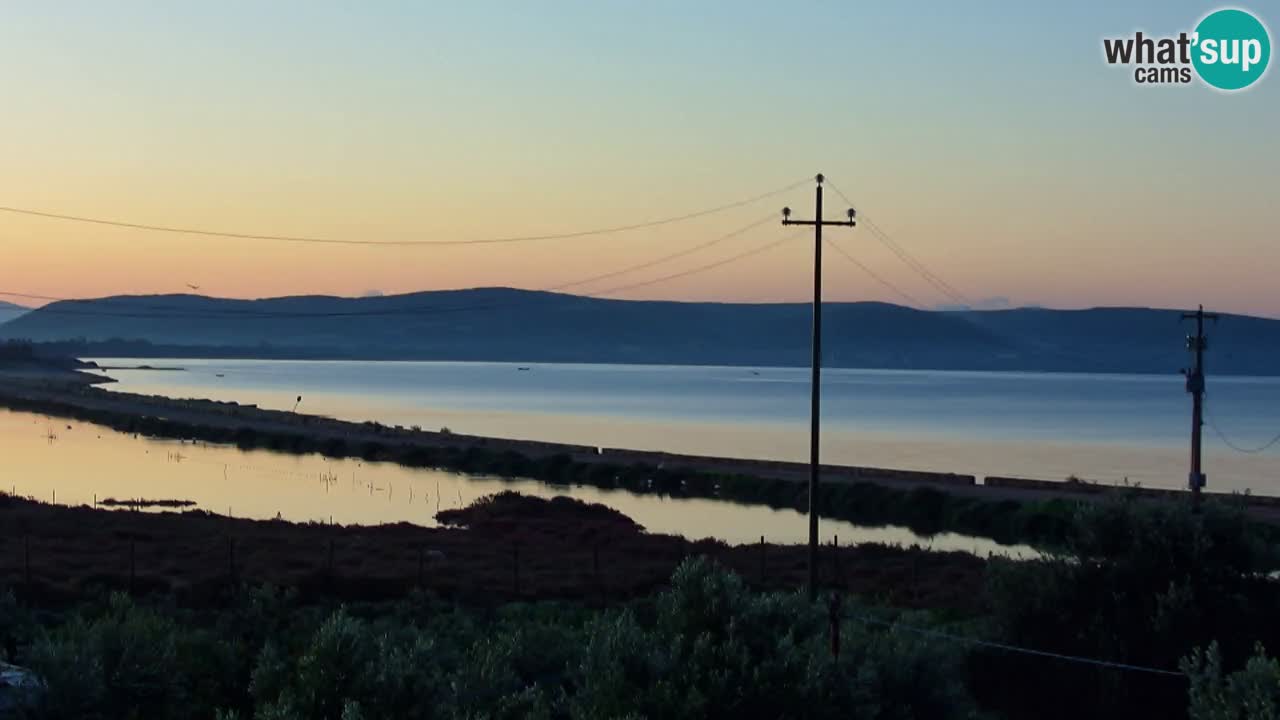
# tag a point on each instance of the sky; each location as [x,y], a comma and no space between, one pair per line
[989,139]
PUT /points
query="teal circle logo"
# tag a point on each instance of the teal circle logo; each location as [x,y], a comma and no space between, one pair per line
[1232,49]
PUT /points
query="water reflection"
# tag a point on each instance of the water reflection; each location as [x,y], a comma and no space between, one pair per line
[75,463]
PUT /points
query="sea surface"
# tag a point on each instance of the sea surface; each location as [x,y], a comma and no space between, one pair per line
[1108,428]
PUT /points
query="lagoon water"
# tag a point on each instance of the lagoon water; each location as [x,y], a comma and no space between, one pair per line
[1101,427]
[1109,428]
[75,463]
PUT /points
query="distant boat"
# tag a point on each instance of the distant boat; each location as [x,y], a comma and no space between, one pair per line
[522,369]
[219,375]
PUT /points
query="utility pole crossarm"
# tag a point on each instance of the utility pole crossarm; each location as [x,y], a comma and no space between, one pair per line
[841,223]
[816,382]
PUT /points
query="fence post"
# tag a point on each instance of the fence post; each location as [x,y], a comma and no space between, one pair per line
[915,578]
[231,563]
[595,572]
[26,562]
[836,580]
[420,559]
[833,614]
[515,569]
[329,571]
[762,559]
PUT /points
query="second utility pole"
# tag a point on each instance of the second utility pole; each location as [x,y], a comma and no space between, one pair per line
[1197,344]
[816,380]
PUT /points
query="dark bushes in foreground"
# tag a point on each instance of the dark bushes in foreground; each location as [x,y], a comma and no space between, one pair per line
[1137,583]
[1251,693]
[706,648]
[1146,585]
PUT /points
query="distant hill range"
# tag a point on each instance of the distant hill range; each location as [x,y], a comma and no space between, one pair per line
[524,326]
[9,311]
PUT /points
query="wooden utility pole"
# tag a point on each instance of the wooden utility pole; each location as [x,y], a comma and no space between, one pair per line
[816,372]
[1197,344]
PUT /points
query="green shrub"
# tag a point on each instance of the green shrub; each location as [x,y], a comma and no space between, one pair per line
[118,665]
[1139,583]
[17,626]
[1251,693]
[706,648]
[715,650]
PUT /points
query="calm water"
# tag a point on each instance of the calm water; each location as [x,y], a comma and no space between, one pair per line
[1050,426]
[72,463]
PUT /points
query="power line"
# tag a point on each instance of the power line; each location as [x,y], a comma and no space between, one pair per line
[665,258]
[874,275]
[1249,451]
[702,268]
[932,278]
[173,312]
[1227,441]
[907,258]
[160,312]
[402,243]
[28,296]
[1016,649]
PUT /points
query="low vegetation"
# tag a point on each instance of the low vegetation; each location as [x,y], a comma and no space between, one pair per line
[509,546]
[1135,583]
[707,647]
[1147,611]
[145,503]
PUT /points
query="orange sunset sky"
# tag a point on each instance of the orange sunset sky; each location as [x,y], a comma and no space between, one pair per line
[991,142]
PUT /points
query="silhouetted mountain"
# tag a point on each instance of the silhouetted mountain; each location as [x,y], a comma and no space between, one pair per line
[9,311]
[518,325]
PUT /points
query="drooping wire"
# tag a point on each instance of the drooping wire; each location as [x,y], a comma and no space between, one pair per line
[403,243]
[926,632]
[911,300]
[1227,441]
[154,312]
[932,278]
[906,257]
[29,296]
[174,312]
[703,268]
[664,258]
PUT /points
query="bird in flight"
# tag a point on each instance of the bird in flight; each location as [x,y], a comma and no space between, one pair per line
[193,287]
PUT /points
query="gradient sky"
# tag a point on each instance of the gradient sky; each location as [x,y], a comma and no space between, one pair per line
[989,138]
